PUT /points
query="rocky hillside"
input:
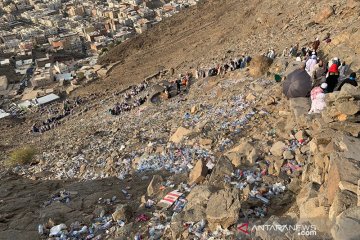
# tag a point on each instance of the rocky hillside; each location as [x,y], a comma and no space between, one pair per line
[213,31]
[232,151]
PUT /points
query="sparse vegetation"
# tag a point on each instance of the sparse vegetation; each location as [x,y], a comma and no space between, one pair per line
[80,75]
[21,156]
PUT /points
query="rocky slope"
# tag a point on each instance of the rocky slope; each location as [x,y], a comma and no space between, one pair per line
[237,150]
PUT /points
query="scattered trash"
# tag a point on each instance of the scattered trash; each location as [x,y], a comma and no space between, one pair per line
[126,193]
[142,218]
[62,196]
[169,199]
[149,203]
[41,229]
[179,204]
[57,230]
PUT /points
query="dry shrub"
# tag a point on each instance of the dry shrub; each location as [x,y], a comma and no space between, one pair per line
[21,156]
[259,65]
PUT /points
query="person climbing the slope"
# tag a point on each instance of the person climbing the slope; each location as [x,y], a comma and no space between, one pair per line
[318,73]
[317,96]
[333,75]
[343,69]
[185,81]
[310,64]
[350,80]
[316,44]
[178,84]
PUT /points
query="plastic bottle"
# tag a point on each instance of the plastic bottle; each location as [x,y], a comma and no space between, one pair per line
[56,230]
[41,229]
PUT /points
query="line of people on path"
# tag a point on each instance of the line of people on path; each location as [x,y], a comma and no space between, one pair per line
[52,122]
[182,82]
[334,73]
[221,69]
[130,101]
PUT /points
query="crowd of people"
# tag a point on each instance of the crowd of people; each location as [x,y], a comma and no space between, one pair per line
[326,76]
[182,82]
[221,69]
[57,115]
[131,101]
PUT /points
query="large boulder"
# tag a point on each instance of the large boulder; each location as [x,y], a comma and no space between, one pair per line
[349,127]
[279,66]
[197,200]
[154,186]
[344,165]
[259,66]
[122,212]
[315,211]
[271,231]
[308,191]
[245,153]
[326,12]
[223,209]
[348,91]
[300,107]
[180,134]
[348,107]
[199,195]
[223,167]
[278,149]
[342,201]
[347,225]
[198,173]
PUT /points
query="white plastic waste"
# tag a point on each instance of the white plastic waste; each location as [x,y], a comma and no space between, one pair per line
[56,230]
[41,229]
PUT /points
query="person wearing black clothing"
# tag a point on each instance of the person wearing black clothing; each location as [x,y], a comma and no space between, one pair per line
[178,85]
[350,80]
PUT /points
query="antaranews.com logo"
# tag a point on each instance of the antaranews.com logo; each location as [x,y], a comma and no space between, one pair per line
[300,229]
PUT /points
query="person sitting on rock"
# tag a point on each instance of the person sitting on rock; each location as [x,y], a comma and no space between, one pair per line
[35,129]
[350,80]
[212,72]
[232,65]
[293,51]
[271,53]
[317,95]
[226,67]
[285,52]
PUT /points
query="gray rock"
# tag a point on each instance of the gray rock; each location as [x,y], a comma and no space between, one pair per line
[278,148]
[122,212]
[223,167]
[153,187]
[243,153]
[223,209]
[199,195]
[288,155]
[342,201]
[198,173]
[347,225]
[197,201]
